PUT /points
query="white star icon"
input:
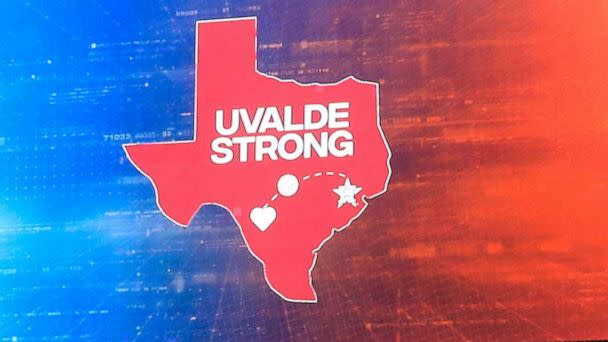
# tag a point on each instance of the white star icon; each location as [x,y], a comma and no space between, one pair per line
[347,193]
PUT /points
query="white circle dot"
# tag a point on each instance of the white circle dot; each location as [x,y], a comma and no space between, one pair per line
[288,185]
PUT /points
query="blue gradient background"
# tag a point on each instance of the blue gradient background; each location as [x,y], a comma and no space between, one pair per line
[84,253]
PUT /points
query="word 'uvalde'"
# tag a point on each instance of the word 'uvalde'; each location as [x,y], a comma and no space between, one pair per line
[259,137]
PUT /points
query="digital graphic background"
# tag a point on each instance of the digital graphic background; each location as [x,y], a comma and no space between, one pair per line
[493,228]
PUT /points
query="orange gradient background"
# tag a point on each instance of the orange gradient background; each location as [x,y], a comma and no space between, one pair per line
[496,219]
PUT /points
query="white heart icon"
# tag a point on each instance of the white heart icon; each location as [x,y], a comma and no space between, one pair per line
[263,217]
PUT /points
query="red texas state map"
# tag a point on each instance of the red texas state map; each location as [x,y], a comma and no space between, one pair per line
[293,163]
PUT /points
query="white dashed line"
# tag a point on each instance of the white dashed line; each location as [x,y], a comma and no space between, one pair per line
[316,174]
